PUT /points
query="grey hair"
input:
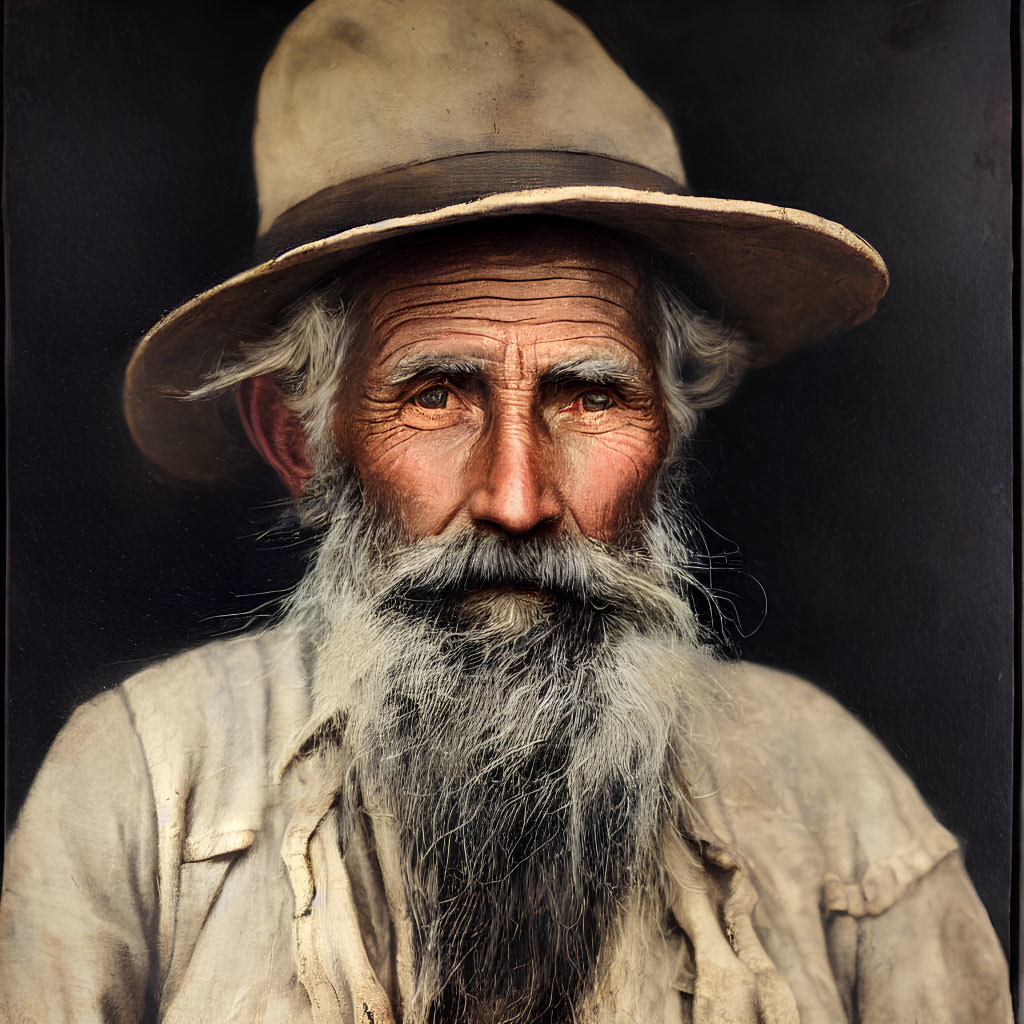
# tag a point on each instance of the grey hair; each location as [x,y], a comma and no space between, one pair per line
[538,757]
[699,359]
[306,356]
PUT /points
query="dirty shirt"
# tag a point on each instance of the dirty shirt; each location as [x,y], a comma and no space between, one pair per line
[179,860]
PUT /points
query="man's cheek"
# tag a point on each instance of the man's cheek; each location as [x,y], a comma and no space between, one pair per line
[619,460]
[604,476]
[421,473]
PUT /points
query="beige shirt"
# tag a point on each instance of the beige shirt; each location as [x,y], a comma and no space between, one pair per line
[178,860]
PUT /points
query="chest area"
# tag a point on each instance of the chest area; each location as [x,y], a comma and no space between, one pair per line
[246,948]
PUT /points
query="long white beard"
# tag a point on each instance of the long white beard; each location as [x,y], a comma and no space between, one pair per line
[526,741]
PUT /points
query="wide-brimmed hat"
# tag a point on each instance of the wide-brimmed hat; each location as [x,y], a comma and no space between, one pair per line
[378,118]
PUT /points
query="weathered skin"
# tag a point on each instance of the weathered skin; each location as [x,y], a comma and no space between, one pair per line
[501,443]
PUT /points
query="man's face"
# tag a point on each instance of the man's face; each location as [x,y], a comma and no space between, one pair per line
[505,383]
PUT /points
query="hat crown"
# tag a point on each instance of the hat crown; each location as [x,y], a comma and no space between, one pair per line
[356,87]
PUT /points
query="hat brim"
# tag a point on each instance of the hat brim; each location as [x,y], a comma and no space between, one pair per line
[786,276]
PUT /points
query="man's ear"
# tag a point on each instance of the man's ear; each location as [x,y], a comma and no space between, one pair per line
[275,431]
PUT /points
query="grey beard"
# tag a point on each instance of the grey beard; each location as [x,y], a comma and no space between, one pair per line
[512,706]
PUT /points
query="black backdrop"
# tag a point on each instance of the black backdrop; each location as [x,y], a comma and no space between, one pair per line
[857,498]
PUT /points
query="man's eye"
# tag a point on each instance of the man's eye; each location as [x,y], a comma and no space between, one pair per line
[432,398]
[596,401]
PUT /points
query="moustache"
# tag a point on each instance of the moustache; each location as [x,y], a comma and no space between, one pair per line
[567,570]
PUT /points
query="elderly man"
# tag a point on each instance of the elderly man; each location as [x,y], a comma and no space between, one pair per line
[487,767]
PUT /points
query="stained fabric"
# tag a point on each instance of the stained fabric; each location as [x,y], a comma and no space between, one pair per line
[180,858]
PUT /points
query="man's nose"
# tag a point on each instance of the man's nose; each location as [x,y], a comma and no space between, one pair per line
[515,491]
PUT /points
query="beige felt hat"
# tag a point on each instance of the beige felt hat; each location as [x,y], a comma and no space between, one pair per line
[377,118]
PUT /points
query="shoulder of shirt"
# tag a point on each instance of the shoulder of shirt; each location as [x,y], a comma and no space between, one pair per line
[231,665]
[782,707]
[243,683]
[774,728]
[793,774]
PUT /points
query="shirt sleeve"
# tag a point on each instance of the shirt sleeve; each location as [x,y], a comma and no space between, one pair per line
[932,956]
[79,904]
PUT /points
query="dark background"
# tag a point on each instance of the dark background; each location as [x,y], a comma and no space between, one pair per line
[856,499]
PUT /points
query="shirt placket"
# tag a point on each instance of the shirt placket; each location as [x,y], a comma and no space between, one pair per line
[330,954]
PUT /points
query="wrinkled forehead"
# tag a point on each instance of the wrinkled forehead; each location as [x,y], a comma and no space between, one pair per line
[505,262]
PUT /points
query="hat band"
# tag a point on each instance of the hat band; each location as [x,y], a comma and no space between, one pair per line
[448,181]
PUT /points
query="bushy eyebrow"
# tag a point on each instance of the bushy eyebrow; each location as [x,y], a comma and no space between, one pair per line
[593,371]
[412,367]
[588,371]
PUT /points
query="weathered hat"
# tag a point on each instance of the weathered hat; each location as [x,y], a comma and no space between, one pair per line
[376,119]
